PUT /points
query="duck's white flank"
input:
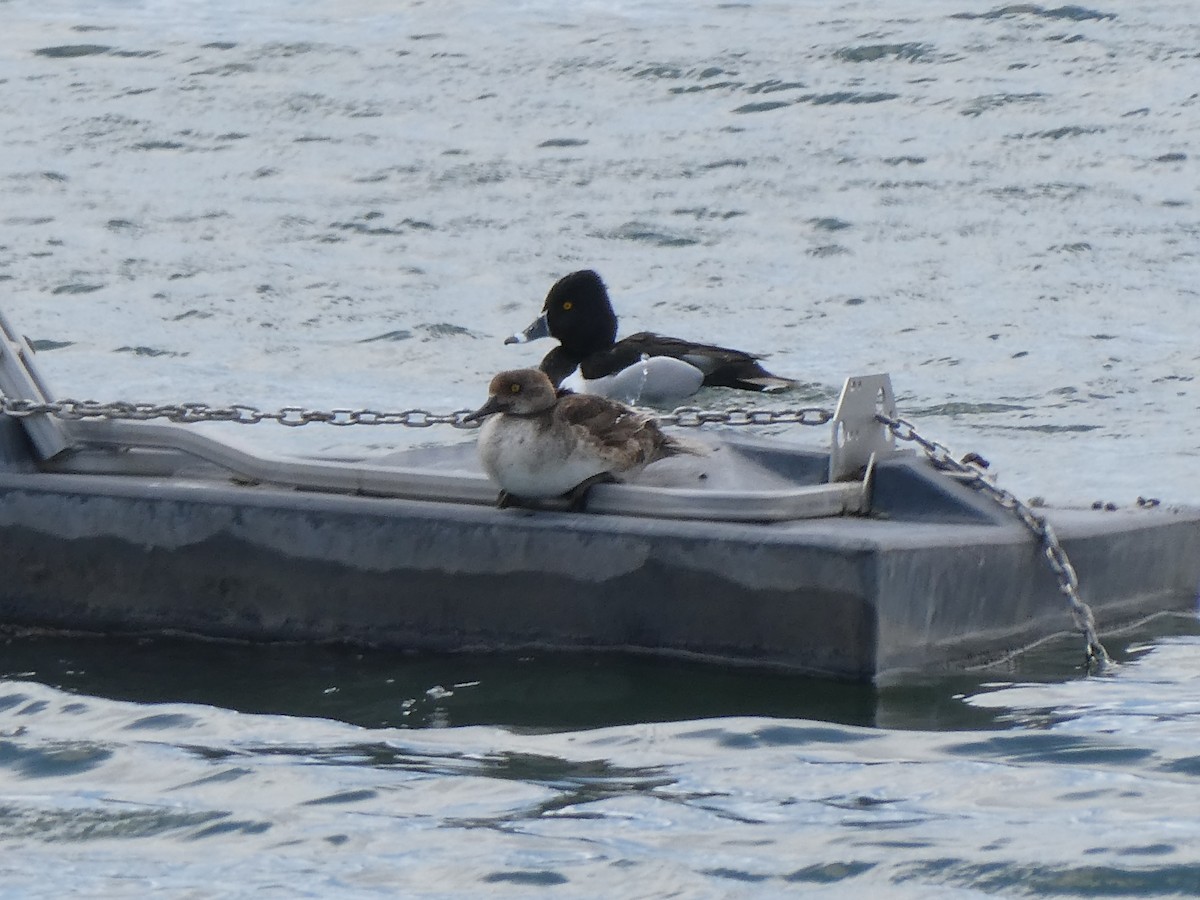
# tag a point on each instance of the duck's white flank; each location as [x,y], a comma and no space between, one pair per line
[654,381]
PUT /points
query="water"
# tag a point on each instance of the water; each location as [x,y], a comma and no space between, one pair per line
[288,202]
[210,769]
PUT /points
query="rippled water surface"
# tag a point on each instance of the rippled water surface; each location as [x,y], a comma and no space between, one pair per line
[325,772]
[350,205]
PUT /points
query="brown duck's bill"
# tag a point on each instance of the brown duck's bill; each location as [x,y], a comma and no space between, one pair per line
[492,406]
[539,329]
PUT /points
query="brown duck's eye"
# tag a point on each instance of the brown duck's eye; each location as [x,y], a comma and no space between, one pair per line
[567,304]
[515,388]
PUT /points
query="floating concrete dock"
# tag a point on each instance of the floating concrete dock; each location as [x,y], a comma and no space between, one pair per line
[857,561]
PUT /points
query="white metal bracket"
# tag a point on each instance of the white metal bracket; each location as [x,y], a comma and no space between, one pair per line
[857,432]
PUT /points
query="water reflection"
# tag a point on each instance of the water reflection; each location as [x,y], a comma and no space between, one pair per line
[529,692]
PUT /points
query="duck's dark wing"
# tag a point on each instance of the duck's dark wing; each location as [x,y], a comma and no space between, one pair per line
[627,437]
[722,367]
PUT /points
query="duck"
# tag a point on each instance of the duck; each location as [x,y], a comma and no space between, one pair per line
[644,368]
[537,444]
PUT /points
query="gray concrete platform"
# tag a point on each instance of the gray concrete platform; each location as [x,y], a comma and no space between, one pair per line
[934,578]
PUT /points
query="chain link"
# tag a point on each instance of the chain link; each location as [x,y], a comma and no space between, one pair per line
[240,413]
[295,416]
[694,416]
[1096,657]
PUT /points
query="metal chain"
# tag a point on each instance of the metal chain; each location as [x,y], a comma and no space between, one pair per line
[1096,657]
[295,416]
[240,413]
[694,416]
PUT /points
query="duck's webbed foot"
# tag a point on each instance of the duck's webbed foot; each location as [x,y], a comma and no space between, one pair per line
[577,496]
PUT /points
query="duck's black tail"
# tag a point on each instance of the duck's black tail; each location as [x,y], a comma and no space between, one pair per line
[746,375]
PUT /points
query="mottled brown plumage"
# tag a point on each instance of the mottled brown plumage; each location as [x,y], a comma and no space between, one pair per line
[536,444]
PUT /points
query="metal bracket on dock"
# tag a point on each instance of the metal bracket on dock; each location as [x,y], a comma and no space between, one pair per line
[857,432]
[20,380]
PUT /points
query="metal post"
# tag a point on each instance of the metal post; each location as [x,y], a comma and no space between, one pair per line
[20,380]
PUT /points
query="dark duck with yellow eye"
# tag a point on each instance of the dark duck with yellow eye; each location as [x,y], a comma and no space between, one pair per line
[537,445]
[642,368]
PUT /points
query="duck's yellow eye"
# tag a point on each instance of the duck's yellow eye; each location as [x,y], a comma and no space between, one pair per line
[515,388]
[567,304]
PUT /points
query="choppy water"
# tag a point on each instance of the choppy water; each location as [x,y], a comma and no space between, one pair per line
[292,202]
[330,773]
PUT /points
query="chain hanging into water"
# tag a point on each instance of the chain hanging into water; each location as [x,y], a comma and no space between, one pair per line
[1096,657]
[295,416]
